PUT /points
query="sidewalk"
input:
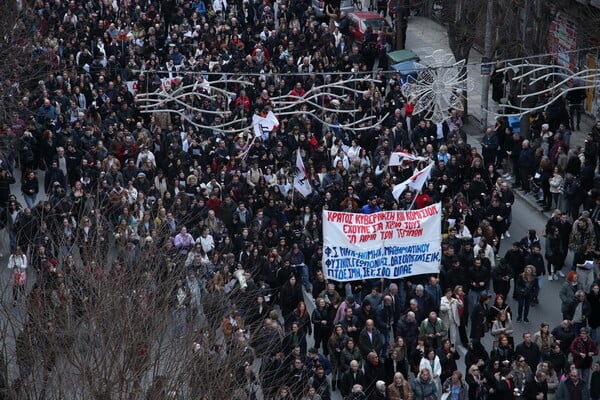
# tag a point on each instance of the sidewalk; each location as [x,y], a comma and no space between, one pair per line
[425,35]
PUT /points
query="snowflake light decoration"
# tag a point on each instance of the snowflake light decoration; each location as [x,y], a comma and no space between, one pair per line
[439,86]
[560,80]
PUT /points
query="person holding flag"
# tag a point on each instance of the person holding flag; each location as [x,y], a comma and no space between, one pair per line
[415,182]
[301,181]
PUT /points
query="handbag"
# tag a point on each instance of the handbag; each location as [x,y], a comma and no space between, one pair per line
[19,278]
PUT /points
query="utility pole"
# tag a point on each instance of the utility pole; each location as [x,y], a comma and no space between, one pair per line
[486,66]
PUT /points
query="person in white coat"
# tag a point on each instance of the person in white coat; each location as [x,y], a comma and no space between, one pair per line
[17,262]
[449,306]
[432,363]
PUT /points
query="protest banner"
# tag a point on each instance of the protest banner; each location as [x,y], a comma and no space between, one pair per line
[387,244]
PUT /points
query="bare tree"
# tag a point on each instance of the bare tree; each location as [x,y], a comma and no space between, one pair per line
[143,327]
[24,53]
[461,35]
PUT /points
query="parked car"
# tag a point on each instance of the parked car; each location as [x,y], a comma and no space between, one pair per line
[358,22]
[346,7]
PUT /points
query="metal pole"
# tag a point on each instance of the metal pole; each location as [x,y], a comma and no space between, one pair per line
[488,47]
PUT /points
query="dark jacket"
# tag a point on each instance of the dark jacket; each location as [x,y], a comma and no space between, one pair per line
[564,389]
[533,387]
[526,159]
[478,316]
[530,352]
[349,380]
[409,331]
[421,389]
[367,345]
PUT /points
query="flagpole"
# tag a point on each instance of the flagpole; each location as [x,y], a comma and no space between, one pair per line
[293,191]
[415,199]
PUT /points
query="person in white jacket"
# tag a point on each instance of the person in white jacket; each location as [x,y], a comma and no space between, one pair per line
[449,306]
[432,363]
[17,263]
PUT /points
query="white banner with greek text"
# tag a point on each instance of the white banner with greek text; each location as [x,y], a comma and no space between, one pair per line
[387,244]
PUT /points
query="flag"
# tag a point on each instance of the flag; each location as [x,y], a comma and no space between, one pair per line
[418,179]
[415,182]
[397,157]
[398,190]
[301,182]
[264,125]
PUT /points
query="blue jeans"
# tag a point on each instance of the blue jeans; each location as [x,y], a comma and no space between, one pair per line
[474,297]
[302,270]
[30,199]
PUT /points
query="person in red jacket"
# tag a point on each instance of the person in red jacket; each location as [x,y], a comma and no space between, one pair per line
[297,91]
[583,349]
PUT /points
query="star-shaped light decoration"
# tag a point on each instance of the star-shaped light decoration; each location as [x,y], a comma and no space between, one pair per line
[439,86]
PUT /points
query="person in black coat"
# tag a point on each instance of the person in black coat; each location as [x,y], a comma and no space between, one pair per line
[374,371]
[515,258]
[289,297]
[501,276]
[394,363]
[593,298]
[354,376]
[505,386]
[476,355]
[529,351]
[54,174]
[535,386]
[448,356]
[564,334]
[322,325]
[6,179]
[478,318]
[595,382]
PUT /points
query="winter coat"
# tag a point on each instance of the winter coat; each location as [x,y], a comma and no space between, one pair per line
[464,389]
[583,346]
[449,311]
[403,392]
[594,317]
[424,389]
[367,345]
[567,296]
[565,387]
[524,288]
[478,321]
[427,328]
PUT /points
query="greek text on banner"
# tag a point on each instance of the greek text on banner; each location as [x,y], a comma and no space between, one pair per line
[387,244]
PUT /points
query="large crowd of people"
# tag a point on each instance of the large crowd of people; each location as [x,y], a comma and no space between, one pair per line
[186,193]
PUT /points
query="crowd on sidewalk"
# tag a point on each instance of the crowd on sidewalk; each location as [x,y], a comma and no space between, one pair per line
[217,211]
